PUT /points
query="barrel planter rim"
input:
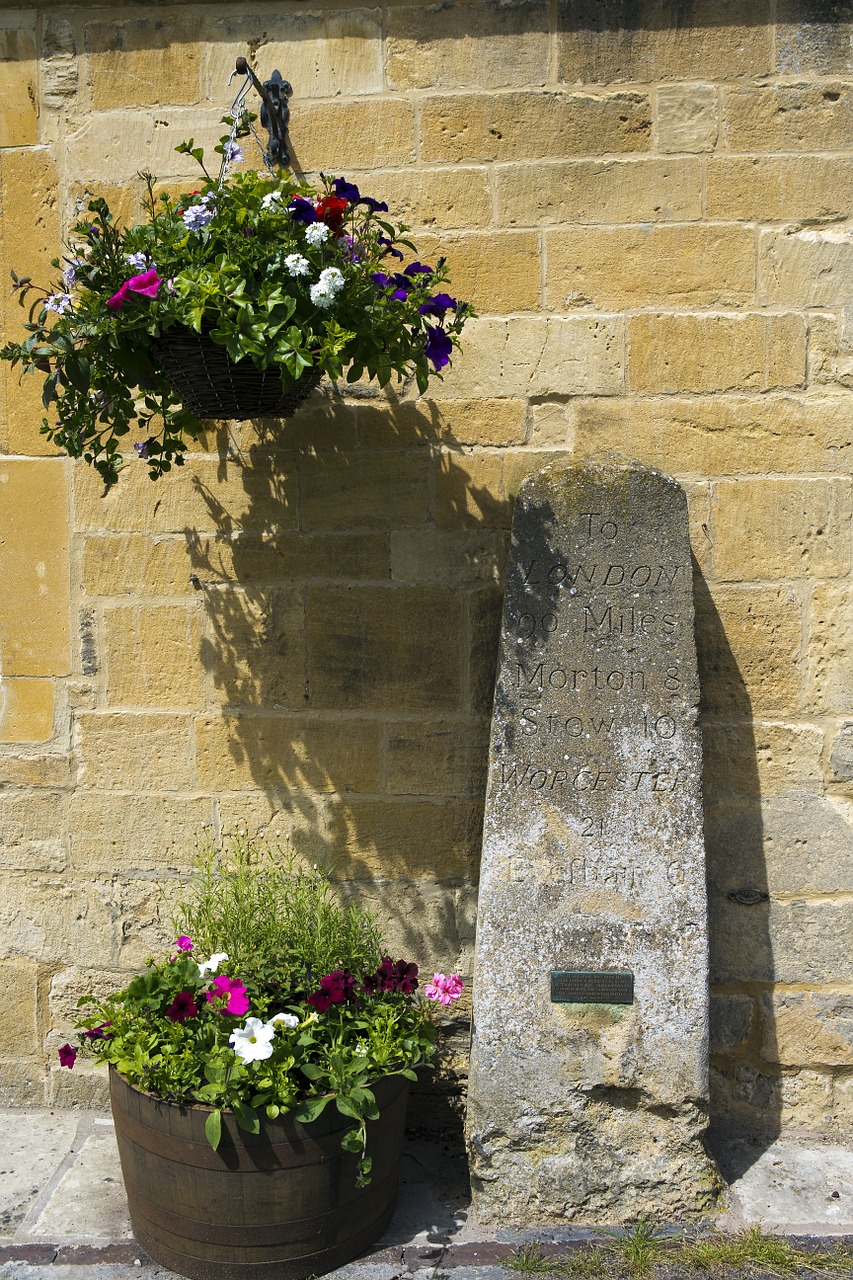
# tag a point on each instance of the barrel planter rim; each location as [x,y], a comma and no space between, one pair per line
[289,1192]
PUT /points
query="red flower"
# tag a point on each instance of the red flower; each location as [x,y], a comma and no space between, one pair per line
[332,211]
[182,1007]
[335,988]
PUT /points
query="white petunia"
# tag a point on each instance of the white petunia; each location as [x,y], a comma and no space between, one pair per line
[289,1019]
[253,1042]
[297,265]
[317,233]
[211,965]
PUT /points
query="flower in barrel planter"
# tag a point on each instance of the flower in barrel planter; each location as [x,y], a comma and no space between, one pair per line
[273,1000]
[283,282]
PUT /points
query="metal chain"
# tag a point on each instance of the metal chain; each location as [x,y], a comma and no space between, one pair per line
[240,112]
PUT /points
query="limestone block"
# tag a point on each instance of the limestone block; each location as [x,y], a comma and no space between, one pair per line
[769,188]
[672,353]
[841,760]
[432,921]
[484,611]
[599,191]
[339,137]
[477,422]
[531,125]
[34,567]
[18,80]
[48,770]
[113,146]
[29,238]
[20,428]
[767,758]
[59,70]
[807,1028]
[254,650]
[436,758]
[812,39]
[143,61]
[380,648]
[135,834]
[434,198]
[437,558]
[687,117]
[780,528]
[408,838]
[552,423]
[153,656]
[365,489]
[539,356]
[325,54]
[808,268]
[842,1103]
[475,490]
[26,710]
[496,271]
[811,941]
[749,640]
[830,657]
[258,496]
[649,266]
[138,752]
[289,754]
[466,45]
[650,41]
[22,1084]
[731,1022]
[704,435]
[789,844]
[18,1018]
[789,117]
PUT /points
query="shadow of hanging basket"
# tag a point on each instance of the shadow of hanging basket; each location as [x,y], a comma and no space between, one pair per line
[211,385]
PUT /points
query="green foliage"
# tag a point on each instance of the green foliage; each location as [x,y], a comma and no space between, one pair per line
[639,1245]
[530,1259]
[319,1012]
[224,260]
[275,918]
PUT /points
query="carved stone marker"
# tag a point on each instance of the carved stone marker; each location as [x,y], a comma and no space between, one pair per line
[593,865]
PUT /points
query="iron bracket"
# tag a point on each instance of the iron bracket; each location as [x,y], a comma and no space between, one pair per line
[275,111]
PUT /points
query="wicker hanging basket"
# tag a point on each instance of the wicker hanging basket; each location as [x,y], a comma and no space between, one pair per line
[211,385]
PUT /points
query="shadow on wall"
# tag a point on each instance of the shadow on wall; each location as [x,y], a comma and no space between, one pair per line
[745,1100]
[352,611]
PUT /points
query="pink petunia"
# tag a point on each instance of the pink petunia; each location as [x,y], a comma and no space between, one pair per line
[234,991]
[147,284]
[444,988]
[184,943]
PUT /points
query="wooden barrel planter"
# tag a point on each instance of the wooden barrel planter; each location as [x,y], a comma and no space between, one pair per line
[281,1203]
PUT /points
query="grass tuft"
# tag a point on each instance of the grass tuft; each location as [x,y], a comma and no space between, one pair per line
[530,1259]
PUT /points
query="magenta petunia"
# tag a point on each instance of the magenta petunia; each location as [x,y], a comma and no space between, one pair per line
[335,988]
[147,284]
[67,1055]
[184,943]
[231,989]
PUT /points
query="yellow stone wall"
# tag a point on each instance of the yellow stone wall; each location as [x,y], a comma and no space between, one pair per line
[650,205]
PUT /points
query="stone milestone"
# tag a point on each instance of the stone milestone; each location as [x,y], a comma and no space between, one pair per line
[589,1079]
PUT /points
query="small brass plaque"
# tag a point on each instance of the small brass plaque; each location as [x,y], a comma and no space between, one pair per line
[572,987]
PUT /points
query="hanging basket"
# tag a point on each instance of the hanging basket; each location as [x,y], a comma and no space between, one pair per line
[211,385]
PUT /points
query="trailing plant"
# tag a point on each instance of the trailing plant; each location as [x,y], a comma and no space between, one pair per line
[305,1009]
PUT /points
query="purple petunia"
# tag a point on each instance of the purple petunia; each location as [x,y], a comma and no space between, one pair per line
[302,210]
[380,279]
[437,305]
[67,1055]
[346,190]
[375,206]
[417,269]
[387,245]
[183,1007]
[438,347]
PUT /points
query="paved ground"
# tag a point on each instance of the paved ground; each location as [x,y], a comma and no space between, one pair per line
[63,1214]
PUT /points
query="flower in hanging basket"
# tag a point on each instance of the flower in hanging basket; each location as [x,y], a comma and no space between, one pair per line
[262,273]
[310,1012]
